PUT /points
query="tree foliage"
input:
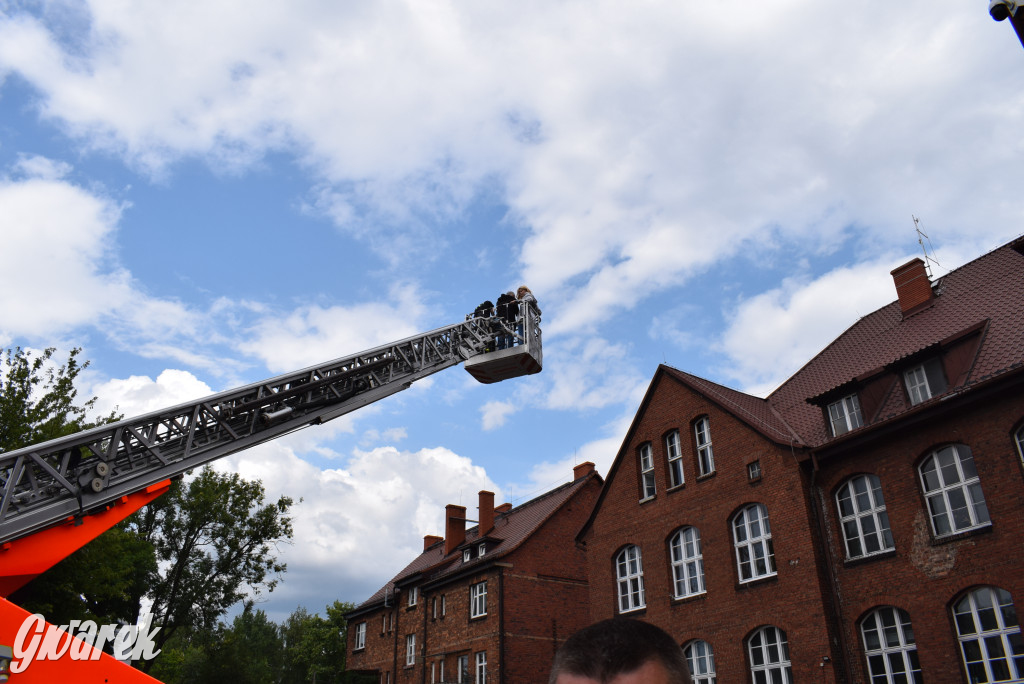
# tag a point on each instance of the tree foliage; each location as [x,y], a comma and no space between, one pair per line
[215,540]
[37,398]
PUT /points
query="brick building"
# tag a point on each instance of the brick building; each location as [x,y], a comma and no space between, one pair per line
[489,604]
[864,522]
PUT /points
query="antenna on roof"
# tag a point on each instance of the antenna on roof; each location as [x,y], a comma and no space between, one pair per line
[921,238]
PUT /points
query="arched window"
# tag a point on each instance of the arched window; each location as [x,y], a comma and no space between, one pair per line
[701,659]
[630,576]
[752,535]
[769,656]
[863,518]
[953,491]
[647,488]
[889,646]
[989,634]
[687,562]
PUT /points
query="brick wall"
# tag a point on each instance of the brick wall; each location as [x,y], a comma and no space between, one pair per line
[925,576]
[728,612]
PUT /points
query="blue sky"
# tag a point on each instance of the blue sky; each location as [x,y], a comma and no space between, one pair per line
[207,194]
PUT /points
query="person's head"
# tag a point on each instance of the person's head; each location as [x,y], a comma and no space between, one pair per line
[523,290]
[620,651]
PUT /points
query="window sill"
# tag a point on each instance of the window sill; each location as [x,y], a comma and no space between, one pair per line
[982,529]
[477,618]
[862,560]
[632,612]
[680,600]
[650,498]
[677,488]
[758,581]
[706,476]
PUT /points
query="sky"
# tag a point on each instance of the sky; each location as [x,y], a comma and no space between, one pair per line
[201,195]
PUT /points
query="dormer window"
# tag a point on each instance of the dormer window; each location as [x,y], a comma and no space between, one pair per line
[481,549]
[414,596]
[924,381]
[845,415]
[467,555]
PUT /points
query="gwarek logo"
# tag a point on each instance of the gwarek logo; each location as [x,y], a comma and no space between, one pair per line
[38,641]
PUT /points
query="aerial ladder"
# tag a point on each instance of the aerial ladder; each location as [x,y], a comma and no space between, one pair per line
[58,495]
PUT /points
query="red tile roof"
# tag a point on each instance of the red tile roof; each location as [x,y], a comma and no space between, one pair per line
[511,529]
[987,293]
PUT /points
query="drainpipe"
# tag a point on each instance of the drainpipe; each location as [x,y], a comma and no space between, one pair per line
[834,597]
[501,625]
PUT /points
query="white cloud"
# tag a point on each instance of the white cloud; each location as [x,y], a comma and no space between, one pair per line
[138,394]
[771,335]
[43,168]
[379,506]
[312,334]
[589,373]
[493,414]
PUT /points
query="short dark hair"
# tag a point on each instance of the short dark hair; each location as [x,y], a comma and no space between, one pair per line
[617,646]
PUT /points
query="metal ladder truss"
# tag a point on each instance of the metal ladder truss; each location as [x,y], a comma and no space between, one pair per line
[72,476]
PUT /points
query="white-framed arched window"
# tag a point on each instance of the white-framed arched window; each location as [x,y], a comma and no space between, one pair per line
[687,562]
[889,646]
[701,659]
[629,571]
[953,491]
[989,635]
[769,656]
[863,518]
[752,537]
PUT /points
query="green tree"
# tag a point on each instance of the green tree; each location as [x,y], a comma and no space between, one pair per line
[37,398]
[315,646]
[215,539]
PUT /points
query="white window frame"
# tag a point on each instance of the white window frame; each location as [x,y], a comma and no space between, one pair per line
[917,385]
[1020,442]
[481,667]
[987,652]
[845,415]
[410,649]
[462,669]
[687,563]
[754,470]
[444,605]
[949,479]
[629,573]
[705,455]
[769,656]
[863,518]
[467,555]
[478,599]
[360,642]
[752,538]
[648,488]
[700,658]
[481,549]
[924,381]
[889,646]
[674,453]
[414,596]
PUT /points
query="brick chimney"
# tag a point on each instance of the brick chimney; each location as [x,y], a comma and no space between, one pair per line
[454,527]
[429,540]
[486,509]
[582,470]
[503,508]
[912,286]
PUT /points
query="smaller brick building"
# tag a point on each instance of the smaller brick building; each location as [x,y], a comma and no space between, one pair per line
[863,523]
[484,605]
